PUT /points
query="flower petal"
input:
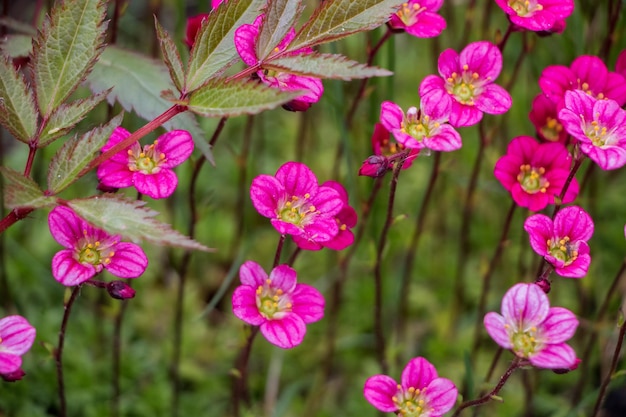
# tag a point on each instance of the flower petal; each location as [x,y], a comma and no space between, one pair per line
[252,274]
[308,303]
[559,326]
[115,174]
[526,305]
[573,222]
[483,58]
[494,100]
[16,335]
[266,192]
[244,305]
[68,271]
[177,145]
[297,178]
[558,356]
[283,277]
[245,40]
[379,390]
[65,226]
[447,139]
[540,230]
[9,362]
[159,185]
[285,333]
[441,396]
[495,326]
[391,115]
[129,261]
[418,373]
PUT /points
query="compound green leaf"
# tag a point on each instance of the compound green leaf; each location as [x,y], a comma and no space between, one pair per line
[21,191]
[65,50]
[325,66]
[171,56]
[280,16]
[76,153]
[18,113]
[131,219]
[336,19]
[137,83]
[219,98]
[214,49]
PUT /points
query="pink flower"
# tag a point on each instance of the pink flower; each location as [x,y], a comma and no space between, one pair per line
[587,73]
[16,338]
[148,169]
[543,116]
[467,80]
[563,243]
[420,393]
[532,329]
[537,15]
[386,153]
[296,204]
[246,37]
[535,173]
[599,126]
[419,18]
[346,220]
[426,128]
[279,305]
[89,250]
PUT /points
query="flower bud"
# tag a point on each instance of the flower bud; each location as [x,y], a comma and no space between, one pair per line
[13,376]
[120,290]
[374,166]
[296,105]
[561,371]
[544,284]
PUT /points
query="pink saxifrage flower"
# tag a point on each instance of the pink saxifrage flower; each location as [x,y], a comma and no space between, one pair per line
[148,169]
[246,37]
[424,128]
[537,15]
[535,173]
[16,338]
[276,303]
[467,79]
[420,393]
[562,242]
[532,329]
[89,250]
[544,117]
[598,125]
[587,73]
[296,204]
[419,18]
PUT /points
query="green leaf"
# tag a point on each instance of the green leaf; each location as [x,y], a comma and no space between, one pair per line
[336,19]
[65,50]
[16,46]
[219,98]
[21,191]
[137,83]
[76,153]
[171,57]
[214,49]
[131,219]
[325,66]
[66,116]
[280,16]
[17,105]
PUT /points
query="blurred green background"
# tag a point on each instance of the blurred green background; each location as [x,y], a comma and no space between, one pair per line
[294,382]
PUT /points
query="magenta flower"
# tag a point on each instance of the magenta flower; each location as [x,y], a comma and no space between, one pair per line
[535,173]
[562,242]
[279,305]
[246,37]
[467,80]
[420,393]
[424,128]
[599,126]
[532,329]
[89,250]
[346,220]
[537,15]
[148,169]
[587,73]
[419,18]
[16,338]
[296,204]
[543,116]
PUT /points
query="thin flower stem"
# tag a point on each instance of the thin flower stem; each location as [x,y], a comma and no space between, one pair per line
[279,250]
[577,163]
[505,38]
[67,308]
[378,279]
[240,386]
[517,363]
[609,375]
[411,252]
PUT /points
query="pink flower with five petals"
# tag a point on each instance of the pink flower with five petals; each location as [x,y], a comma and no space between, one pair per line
[16,338]
[276,303]
[89,250]
[535,173]
[562,242]
[537,15]
[532,329]
[148,169]
[419,18]
[421,391]
[467,80]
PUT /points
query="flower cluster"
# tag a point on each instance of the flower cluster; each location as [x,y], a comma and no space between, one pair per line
[279,305]
[16,338]
[89,250]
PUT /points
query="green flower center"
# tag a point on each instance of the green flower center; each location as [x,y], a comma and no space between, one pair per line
[298,210]
[599,135]
[552,129]
[146,160]
[525,343]
[94,252]
[525,7]
[532,180]
[272,302]
[410,402]
[465,86]
[408,13]
[562,249]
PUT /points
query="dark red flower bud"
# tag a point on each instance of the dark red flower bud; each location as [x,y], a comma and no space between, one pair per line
[297,105]
[120,290]
[375,166]
[544,284]
[13,376]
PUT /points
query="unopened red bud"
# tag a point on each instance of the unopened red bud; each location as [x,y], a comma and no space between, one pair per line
[544,284]
[297,105]
[13,376]
[120,290]
[375,166]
